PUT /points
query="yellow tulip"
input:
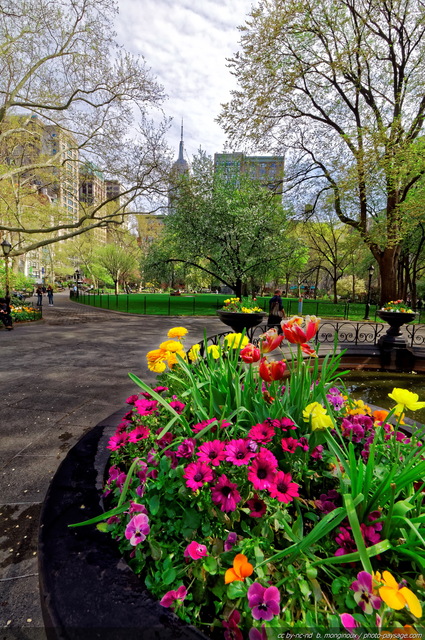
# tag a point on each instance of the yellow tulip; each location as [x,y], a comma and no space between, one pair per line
[405,400]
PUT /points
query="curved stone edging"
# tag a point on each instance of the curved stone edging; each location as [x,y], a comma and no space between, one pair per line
[87,590]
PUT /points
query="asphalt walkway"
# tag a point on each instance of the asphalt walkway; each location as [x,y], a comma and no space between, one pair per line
[58,378]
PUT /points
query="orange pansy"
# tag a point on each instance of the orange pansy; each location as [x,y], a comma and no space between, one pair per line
[241,569]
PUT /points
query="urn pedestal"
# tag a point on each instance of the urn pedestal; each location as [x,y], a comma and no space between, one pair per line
[240,321]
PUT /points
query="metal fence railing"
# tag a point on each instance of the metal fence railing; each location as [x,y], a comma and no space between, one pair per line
[160,304]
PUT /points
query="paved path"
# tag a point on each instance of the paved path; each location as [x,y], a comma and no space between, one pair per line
[59,378]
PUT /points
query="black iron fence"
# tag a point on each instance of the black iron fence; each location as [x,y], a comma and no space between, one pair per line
[346,333]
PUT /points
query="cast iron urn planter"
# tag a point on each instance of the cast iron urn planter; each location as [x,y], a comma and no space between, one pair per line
[240,321]
[396,320]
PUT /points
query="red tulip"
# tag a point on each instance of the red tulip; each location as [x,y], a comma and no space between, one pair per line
[270,371]
[293,332]
[250,354]
[270,341]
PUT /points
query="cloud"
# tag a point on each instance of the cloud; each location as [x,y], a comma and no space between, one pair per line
[185,43]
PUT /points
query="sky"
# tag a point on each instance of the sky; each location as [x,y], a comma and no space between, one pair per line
[185,43]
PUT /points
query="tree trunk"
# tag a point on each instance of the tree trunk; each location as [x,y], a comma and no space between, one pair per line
[238,288]
[388,267]
[116,287]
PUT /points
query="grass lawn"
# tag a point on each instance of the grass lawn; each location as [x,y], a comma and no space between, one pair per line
[207,304]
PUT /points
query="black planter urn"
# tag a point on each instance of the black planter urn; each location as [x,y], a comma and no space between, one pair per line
[240,321]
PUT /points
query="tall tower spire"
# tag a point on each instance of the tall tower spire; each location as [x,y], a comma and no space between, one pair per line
[181,147]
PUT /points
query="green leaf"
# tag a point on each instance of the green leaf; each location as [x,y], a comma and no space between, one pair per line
[210,565]
[190,522]
[156,551]
[169,576]
[236,589]
[154,503]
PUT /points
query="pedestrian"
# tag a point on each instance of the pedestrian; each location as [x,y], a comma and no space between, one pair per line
[419,305]
[39,293]
[276,311]
[50,295]
[5,313]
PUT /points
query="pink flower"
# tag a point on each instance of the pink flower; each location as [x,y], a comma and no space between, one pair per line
[263,601]
[173,596]
[146,407]
[177,406]
[135,507]
[283,488]
[166,439]
[363,593]
[232,631]
[225,494]
[212,452]
[139,433]
[186,448]
[255,634]
[195,550]
[230,541]
[250,354]
[137,529]
[317,453]
[201,425]
[345,541]
[132,399]
[239,452]
[290,444]
[287,423]
[197,474]
[348,622]
[117,441]
[262,432]
[262,471]
[257,507]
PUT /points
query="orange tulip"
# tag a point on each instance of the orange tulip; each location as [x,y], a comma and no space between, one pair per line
[270,371]
[241,569]
[293,332]
[270,341]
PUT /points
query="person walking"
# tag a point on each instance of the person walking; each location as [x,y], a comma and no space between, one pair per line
[276,311]
[50,295]
[39,293]
[5,313]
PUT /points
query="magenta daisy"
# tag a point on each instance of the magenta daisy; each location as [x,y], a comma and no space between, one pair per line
[139,433]
[225,494]
[146,407]
[117,441]
[197,474]
[177,406]
[290,444]
[186,448]
[201,425]
[262,433]
[212,452]
[239,452]
[283,488]
[132,399]
[256,506]
[263,469]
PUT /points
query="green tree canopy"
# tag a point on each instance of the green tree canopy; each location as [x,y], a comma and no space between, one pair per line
[340,85]
[230,227]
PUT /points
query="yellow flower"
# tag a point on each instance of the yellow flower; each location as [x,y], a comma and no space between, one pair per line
[235,340]
[360,408]
[157,367]
[177,332]
[172,358]
[194,352]
[317,416]
[396,597]
[214,350]
[171,345]
[155,355]
[405,400]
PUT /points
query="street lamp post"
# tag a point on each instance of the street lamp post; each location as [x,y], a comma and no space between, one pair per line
[77,277]
[371,270]
[6,247]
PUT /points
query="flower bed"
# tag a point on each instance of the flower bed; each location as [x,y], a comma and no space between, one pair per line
[255,498]
[24,313]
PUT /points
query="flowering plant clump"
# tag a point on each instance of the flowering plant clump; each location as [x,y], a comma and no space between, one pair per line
[24,313]
[255,498]
[398,306]
[244,305]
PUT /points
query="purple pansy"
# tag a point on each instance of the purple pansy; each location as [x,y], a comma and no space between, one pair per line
[363,593]
[263,601]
